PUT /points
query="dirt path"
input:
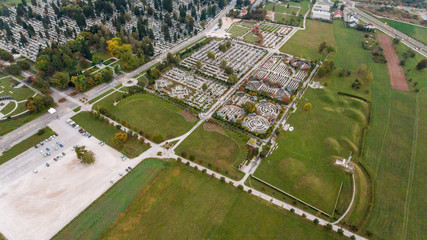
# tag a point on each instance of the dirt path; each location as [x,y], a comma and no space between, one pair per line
[395,71]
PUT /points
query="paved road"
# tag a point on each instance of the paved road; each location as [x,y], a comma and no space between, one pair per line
[405,39]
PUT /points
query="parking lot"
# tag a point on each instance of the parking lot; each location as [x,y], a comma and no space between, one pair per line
[38,205]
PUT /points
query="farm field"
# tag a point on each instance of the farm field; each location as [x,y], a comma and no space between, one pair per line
[105,132]
[25,145]
[148,113]
[306,43]
[218,148]
[419,33]
[389,148]
[221,212]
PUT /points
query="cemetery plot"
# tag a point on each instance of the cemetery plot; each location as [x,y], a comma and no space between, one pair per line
[279,76]
[240,57]
[266,35]
[197,91]
[250,113]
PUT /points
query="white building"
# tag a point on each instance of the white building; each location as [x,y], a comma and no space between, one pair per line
[321,11]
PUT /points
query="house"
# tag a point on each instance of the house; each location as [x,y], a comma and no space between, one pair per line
[338,14]
[321,11]
[369,26]
[350,18]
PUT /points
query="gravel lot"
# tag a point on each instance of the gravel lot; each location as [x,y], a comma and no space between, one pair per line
[38,205]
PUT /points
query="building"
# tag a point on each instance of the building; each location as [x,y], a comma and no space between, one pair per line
[338,14]
[321,11]
[350,18]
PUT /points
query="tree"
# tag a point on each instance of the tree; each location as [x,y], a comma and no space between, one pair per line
[80,82]
[85,156]
[154,73]
[422,64]
[232,78]
[198,64]
[116,48]
[204,86]
[316,221]
[167,5]
[39,103]
[120,137]
[249,107]
[211,55]
[307,107]
[60,80]
[223,64]
[158,138]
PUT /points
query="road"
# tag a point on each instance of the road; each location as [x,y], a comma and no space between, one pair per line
[405,39]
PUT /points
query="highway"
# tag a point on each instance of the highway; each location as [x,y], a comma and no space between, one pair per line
[405,39]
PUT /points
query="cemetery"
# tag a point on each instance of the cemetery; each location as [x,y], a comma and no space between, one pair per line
[240,57]
[26,29]
[195,90]
[279,76]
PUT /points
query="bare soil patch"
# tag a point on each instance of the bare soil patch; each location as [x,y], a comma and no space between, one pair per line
[395,71]
[188,116]
[210,127]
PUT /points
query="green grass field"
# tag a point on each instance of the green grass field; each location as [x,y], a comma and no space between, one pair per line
[237,31]
[182,203]
[9,125]
[105,132]
[150,114]
[102,55]
[306,43]
[250,38]
[25,145]
[223,151]
[100,96]
[416,32]
[416,79]
[19,94]
[394,154]
[8,108]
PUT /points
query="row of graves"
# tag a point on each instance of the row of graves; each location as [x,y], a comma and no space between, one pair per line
[279,77]
[258,121]
[240,56]
[194,90]
[270,88]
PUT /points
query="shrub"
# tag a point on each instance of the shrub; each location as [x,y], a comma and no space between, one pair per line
[204,170]
[340,231]
[187,163]
[328,226]
[222,179]
[292,210]
[192,158]
[41,131]
[316,221]
[303,215]
[179,160]
[250,191]
[240,187]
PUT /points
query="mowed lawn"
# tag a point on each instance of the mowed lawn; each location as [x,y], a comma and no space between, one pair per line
[305,43]
[106,132]
[419,33]
[25,145]
[19,94]
[237,31]
[9,125]
[150,114]
[182,203]
[222,152]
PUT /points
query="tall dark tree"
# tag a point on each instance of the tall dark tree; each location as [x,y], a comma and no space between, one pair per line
[167,5]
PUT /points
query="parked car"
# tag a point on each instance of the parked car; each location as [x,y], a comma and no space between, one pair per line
[41,143]
[35,171]
[35,146]
[61,145]
[63,154]
[47,165]
[47,149]
[54,159]
[89,136]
